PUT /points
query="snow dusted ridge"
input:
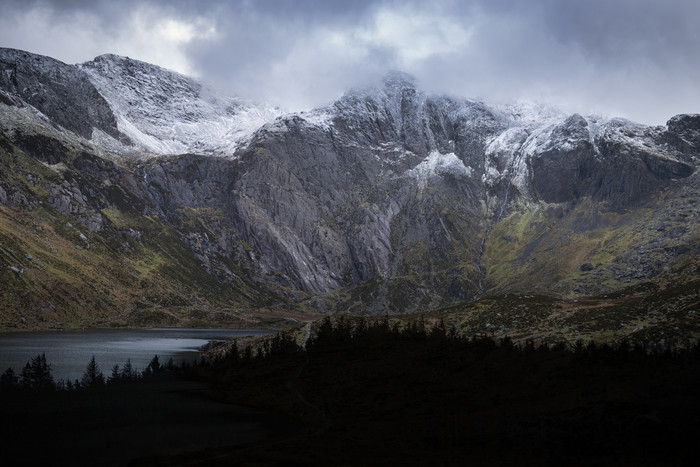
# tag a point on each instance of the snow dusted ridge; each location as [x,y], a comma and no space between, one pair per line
[163,112]
[437,164]
[130,107]
[504,158]
[321,118]
[532,114]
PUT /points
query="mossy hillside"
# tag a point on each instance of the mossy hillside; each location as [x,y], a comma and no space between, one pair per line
[65,284]
[136,271]
[46,278]
[355,300]
[431,271]
[587,248]
[538,249]
[659,312]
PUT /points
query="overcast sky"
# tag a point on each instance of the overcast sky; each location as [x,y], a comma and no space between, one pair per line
[638,59]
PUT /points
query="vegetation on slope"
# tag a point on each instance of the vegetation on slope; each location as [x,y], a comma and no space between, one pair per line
[588,248]
[59,269]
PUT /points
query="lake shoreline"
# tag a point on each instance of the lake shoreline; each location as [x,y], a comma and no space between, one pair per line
[68,352]
[129,328]
[11,330]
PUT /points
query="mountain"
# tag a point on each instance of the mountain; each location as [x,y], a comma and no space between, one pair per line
[163,112]
[196,206]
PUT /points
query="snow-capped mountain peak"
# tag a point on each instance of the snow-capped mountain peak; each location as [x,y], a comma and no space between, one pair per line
[164,112]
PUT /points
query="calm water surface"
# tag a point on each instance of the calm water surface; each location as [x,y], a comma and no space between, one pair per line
[68,352]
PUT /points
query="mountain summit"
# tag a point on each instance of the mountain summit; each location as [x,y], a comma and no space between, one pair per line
[164,112]
[387,200]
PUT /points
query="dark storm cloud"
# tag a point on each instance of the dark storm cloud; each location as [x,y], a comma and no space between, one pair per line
[636,58]
[614,29]
[313,10]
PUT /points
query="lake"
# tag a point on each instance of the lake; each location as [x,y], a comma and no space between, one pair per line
[69,352]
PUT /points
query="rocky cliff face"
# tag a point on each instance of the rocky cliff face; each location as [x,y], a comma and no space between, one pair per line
[387,200]
[61,92]
[391,186]
[611,160]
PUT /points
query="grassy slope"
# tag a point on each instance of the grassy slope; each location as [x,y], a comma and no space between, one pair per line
[66,276]
[657,312]
[588,249]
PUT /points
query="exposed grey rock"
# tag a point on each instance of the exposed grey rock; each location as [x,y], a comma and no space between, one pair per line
[388,189]
[16,198]
[615,161]
[61,92]
[44,148]
[68,199]
[317,205]
[567,170]
[686,130]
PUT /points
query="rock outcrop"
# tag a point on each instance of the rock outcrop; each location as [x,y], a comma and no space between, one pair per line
[61,92]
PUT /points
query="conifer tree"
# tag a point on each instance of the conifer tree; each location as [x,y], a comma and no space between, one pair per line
[9,380]
[116,374]
[128,372]
[36,374]
[92,377]
[153,368]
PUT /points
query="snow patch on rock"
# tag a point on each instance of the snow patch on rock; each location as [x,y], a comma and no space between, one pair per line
[504,158]
[322,117]
[532,114]
[437,164]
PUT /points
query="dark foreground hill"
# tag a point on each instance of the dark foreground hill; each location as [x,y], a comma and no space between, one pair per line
[375,392]
[371,393]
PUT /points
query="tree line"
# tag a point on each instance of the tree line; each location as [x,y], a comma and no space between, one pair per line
[36,375]
[333,334]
